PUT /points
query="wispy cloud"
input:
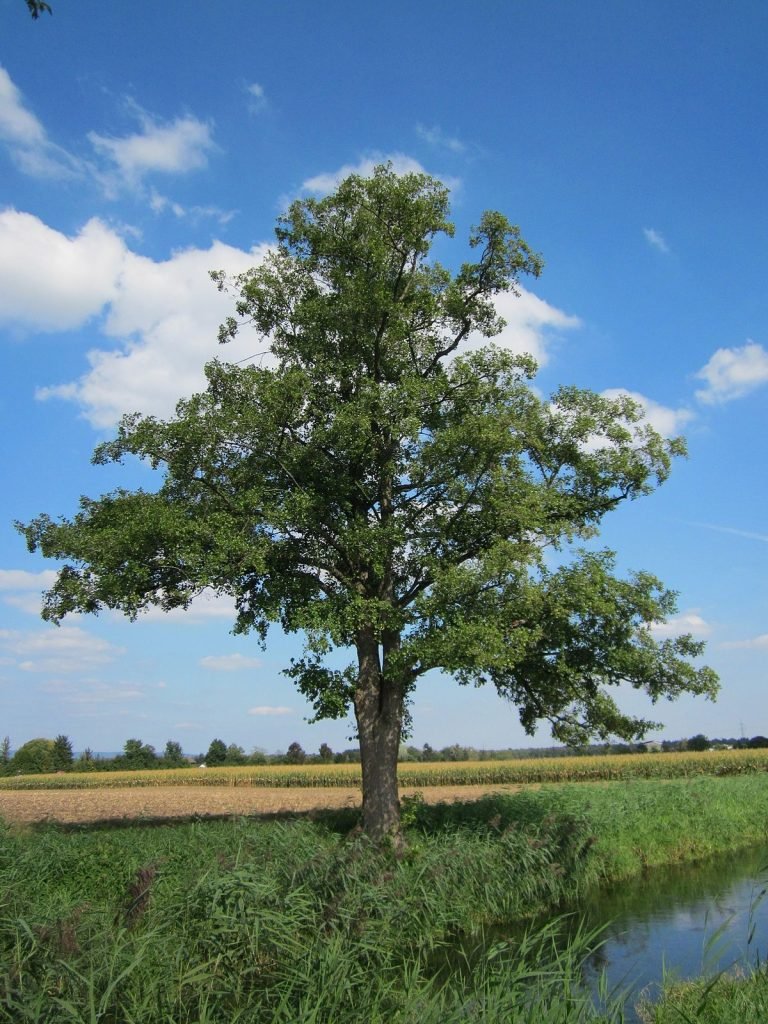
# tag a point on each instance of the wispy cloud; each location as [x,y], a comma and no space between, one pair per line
[257,99]
[114,163]
[756,642]
[160,203]
[655,239]
[267,709]
[436,137]
[748,534]
[175,147]
[63,649]
[229,662]
[29,603]
[94,692]
[20,579]
[733,372]
[27,140]
[24,590]
[17,124]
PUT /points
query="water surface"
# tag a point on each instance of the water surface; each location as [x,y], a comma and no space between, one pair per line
[681,921]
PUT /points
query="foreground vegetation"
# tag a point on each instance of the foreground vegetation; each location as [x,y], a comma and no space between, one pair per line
[304,921]
[488,773]
[728,1000]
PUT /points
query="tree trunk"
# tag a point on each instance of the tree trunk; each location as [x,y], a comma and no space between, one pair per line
[378,709]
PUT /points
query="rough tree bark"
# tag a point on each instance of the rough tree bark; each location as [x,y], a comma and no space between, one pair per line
[379,712]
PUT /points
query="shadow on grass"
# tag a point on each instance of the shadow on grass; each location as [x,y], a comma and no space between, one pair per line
[495,812]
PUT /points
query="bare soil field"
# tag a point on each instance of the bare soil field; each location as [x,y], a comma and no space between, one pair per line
[87,806]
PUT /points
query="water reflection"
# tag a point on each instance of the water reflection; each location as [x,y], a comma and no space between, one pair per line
[682,921]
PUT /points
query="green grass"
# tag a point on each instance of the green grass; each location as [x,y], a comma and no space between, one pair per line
[279,922]
[634,825]
[301,921]
[723,1000]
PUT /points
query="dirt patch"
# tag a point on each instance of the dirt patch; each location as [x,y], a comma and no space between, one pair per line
[82,806]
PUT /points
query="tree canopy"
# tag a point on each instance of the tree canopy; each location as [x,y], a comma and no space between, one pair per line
[62,755]
[33,757]
[381,488]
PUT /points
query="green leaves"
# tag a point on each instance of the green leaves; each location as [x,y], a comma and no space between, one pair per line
[372,487]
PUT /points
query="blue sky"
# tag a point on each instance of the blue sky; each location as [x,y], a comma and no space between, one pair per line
[143,144]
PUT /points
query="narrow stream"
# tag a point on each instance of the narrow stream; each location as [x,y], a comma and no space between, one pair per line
[680,921]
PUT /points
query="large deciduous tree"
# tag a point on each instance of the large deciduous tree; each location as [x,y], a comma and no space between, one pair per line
[384,490]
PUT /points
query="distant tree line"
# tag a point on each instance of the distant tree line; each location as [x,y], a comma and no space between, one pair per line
[456,752]
[45,755]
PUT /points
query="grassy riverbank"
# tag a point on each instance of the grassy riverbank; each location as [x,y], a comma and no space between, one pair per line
[727,1000]
[300,921]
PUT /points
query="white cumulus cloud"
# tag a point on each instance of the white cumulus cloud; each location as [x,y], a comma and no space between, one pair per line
[320,184]
[112,163]
[532,326]
[50,281]
[687,622]
[733,372]
[668,422]
[159,318]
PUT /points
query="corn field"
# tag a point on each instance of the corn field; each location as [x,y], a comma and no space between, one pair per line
[604,768]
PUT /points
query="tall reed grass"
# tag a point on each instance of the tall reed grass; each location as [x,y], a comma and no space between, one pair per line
[725,999]
[306,922]
[286,922]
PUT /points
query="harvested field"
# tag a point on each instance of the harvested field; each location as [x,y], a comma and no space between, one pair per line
[420,775]
[83,806]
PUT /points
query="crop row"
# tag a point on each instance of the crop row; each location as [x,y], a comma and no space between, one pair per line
[466,773]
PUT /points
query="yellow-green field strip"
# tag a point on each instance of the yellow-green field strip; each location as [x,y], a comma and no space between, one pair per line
[465,773]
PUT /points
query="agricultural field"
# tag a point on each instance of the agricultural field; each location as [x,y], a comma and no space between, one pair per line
[274,790]
[167,803]
[603,768]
